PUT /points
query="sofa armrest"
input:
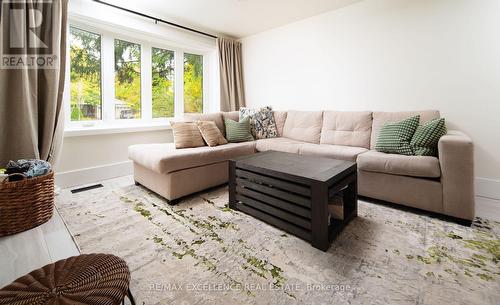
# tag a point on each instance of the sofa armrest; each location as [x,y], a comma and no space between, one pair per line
[456,157]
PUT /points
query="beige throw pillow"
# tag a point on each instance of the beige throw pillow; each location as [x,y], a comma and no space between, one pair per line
[186,135]
[210,133]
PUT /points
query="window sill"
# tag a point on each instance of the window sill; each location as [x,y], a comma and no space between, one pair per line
[113,129]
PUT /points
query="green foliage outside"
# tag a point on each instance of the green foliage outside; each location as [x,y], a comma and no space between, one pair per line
[127,79]
[163,83]
[85,75]
[193,83]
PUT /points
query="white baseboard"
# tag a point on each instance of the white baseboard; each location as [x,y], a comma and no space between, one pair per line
[94,174]
[488,198]
[489,188]
[488,208]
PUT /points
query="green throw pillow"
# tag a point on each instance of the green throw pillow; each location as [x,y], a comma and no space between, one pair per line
[395,138]
[238,131]
[426,138]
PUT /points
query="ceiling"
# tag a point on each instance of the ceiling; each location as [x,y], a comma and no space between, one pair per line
[234,18]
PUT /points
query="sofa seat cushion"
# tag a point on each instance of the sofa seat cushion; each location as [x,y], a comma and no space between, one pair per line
[414,166]
[279,144]
[340,152]
[164,158]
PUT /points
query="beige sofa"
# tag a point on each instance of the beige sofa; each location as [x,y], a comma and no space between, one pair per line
[443,185]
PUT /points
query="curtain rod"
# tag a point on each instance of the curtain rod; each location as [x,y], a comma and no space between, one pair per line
[155,19]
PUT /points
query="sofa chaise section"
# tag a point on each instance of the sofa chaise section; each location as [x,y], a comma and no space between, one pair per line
[174,173]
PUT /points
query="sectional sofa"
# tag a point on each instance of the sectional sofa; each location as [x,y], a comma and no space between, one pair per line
[444,185]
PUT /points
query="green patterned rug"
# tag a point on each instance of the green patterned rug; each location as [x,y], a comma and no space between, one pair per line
[201,252]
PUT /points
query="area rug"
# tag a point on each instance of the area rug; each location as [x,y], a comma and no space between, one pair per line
[202,252]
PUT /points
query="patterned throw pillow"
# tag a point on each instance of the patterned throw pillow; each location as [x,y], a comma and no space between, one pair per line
[262,124]
[426,138]
[238,131]
[211,133]
[394,138]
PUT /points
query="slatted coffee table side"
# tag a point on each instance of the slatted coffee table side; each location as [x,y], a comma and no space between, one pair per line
[286,201]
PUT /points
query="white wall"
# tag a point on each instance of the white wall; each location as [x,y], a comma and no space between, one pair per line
[389,55]
[88,159]
[84,152]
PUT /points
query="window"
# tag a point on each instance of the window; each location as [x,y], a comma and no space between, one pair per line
[121,79]
[163,74]
[127,80]
[85,75]
[193,83]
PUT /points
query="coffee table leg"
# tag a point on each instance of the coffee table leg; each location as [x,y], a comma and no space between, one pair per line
[232,184]
[351,200]
[319,216]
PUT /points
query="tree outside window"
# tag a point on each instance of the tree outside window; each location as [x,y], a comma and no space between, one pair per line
[88,76]
[85,75]
[127,80]
[163,75]
[193,83]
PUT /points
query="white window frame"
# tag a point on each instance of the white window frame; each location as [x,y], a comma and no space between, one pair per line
[108,123]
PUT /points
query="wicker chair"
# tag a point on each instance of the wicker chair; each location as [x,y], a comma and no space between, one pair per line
[93,279]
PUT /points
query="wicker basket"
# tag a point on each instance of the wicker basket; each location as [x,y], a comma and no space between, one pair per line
[25,204]
[91,279]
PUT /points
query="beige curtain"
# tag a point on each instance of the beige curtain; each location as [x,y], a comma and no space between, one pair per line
[232,93]
[31,96]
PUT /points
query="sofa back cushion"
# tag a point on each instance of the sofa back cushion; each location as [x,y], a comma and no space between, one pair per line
[280,118]
[382,118]
[347,128]
[303,126]
[215,117]
[231,115]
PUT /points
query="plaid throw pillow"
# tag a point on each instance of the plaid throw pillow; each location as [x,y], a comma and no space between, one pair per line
[394,138]
[426,138]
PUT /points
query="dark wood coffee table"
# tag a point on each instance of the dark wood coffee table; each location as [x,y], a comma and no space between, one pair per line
[292,192]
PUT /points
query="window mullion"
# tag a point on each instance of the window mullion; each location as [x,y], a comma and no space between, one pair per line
[179,84]
[108,74]
[205,91]
[146,83]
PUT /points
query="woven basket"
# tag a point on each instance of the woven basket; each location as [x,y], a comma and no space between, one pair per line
[25,204]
